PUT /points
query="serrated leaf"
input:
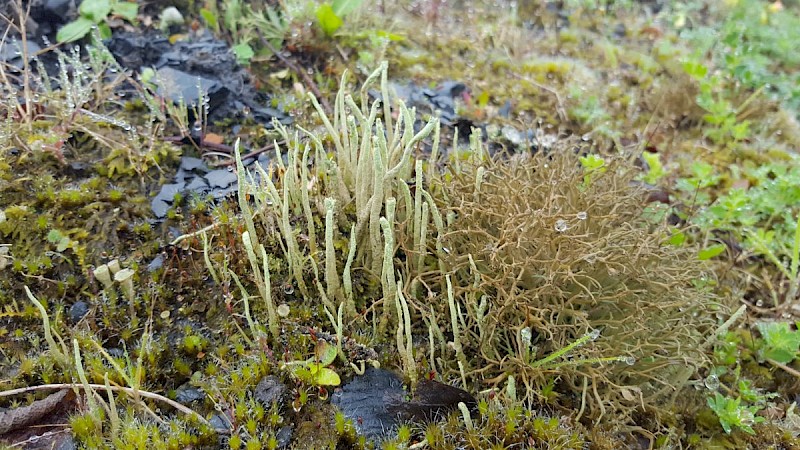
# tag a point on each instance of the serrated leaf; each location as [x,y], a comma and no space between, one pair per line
[710,252]
[343,7]
[126,10]
[74,30]
[95,10]
[328,20]
[781,342]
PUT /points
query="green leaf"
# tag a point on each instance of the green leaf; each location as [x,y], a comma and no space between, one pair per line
[781,342]
[656,168]
[74,30]
[328,20]
[63,244]
[210,18]
[126,10]
[304,374]
[95,10]
[677,239]
[710,252]
[695,70]
[390,36]
[327,377]
[105,30]
[54,236]
[592,162]
[325,353]
[243,53]
[344,7]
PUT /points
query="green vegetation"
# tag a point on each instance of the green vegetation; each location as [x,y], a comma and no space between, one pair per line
[95,13]
[633,280]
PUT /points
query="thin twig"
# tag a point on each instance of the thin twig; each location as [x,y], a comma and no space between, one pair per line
[127,390]
[294,68]
[788,369]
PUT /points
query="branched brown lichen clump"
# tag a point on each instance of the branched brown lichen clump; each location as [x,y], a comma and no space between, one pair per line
[544,255]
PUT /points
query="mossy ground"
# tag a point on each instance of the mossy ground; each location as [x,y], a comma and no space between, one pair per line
[613,78]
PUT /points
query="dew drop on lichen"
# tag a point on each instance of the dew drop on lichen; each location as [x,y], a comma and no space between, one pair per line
[561,225]
[582,215]
[629,360]
[594,334]
[712,382]
[525,335]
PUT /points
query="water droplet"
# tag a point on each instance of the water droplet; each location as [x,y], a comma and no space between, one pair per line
[561,225]
[711,382]
[288,289]
[582,215]
[594,334]
[525,335]
[629,360]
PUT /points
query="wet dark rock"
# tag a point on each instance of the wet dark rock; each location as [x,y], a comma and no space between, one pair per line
[440,100]
[220,178]
[219,422]
[78,169]
[187,393]
[10,51]
[156,263]
[432,401]
[211,61]
[78,310]
[377,402]
[364,400]
[50,14]
[505,110]
[198,185]
[270,390]
[284,436]
[189,164]
[165,197]
[176,86]
[620,31]
[159,208]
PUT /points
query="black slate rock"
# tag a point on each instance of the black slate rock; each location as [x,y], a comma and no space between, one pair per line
[377,401]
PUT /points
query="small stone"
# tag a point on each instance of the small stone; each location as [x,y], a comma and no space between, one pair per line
[187,393]
[78,310]
[270,390]
[220,178]
[284,436]
[218,422]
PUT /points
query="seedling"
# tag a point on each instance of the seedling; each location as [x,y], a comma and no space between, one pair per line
[313,371]
[781,343]
[732,414]
[94,13]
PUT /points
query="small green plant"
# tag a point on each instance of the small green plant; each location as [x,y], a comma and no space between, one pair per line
[655,169]
[592,165]
[95,13]
[733,414]
[763,216]
[330,15]
[314,371]
[780,342]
